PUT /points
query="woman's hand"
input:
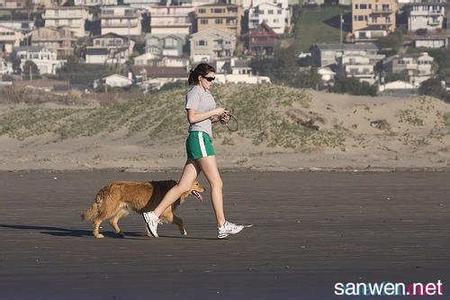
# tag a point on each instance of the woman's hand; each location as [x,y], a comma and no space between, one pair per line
[219,111]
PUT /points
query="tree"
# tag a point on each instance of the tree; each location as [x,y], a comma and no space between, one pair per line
[433,87]
[30,70]
[353,86]
[391,44]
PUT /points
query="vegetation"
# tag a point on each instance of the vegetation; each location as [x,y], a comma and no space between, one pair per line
[83,74]
[391,44]
[433,87]
[262,110]
[319,25]
[353,86]
[30,70]
[284,68]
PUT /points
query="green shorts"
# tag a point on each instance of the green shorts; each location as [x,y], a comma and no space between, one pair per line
[198,145]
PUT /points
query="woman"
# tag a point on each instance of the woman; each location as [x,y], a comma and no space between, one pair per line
[201,113]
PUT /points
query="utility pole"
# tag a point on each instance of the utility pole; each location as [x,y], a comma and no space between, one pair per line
[342,22]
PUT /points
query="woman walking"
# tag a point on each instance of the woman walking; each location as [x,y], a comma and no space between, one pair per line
[201,113]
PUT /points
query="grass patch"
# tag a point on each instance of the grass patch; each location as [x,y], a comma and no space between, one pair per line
[319,25]
[262,110]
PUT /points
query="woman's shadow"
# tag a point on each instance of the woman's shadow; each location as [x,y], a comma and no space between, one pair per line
[64,232]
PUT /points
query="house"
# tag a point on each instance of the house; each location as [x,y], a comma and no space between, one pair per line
[161,61]
[372,19]
[426,14]
[262,40]
[5,67]
[211,44]
[224,17]
[416,68]
[117,80]
[141,4]
[73,17]
[153,77]
[326,75]
[358,66]
[23,25]
[61,39]
[171,19]
[109,48]
[12,4]
[430,39]
[9,38]
[327,54]
[275,13]
[45,59]
[95,2]
[123,20]
[165,44]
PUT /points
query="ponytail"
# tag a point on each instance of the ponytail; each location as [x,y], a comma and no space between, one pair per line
[201,69]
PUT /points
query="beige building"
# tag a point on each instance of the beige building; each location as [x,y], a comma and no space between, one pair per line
[123,20]
[12,4]
[61,39]
[9,38]
[72,17]
[372,19]
[211,44]
[171,19]
[226,17]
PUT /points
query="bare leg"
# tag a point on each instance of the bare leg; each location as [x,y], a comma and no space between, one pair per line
[190,173]
[209,167]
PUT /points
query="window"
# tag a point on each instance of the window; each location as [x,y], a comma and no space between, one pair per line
[370,6]
[275,21]
[218,21]
[203,21]
[202,11]
[356,6]
[202,43]
[363,6]
[270,11]
[360,18]
[279,11]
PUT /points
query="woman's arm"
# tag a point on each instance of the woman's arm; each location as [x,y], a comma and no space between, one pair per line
[195,117]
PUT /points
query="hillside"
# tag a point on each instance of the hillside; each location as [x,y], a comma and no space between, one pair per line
[279,128]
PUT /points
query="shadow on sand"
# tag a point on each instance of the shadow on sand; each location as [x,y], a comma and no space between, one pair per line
[64,232]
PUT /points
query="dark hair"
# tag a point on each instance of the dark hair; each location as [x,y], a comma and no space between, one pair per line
[201,69]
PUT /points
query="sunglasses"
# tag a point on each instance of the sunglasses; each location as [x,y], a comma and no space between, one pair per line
[210,79]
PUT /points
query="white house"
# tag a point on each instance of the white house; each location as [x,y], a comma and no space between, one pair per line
[109,48]
[95,2]
[426,14]
[5,67]
[171,19]
[123,20]
[276,14]
[45,59]
[117,80]
[73,17]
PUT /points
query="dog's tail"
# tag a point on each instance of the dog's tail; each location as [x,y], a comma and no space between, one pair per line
[94,210]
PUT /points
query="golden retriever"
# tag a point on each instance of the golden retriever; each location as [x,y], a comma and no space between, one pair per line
[117,199]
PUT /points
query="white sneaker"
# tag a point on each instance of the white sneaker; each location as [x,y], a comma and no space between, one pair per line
[152,222]
[227,229]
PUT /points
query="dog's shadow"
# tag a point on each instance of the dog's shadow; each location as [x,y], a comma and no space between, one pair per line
[64,232]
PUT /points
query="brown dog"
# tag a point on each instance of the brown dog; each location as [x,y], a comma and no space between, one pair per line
[117,199]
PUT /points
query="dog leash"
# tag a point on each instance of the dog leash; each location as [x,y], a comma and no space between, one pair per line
[234,125]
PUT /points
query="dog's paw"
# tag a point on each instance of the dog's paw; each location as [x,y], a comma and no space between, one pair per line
[99,236]
[120,235]
[184,232]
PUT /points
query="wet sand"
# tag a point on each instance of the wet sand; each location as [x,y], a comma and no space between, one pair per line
[311,230]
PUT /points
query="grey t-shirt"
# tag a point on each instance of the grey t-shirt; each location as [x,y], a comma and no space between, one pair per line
[200,100]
